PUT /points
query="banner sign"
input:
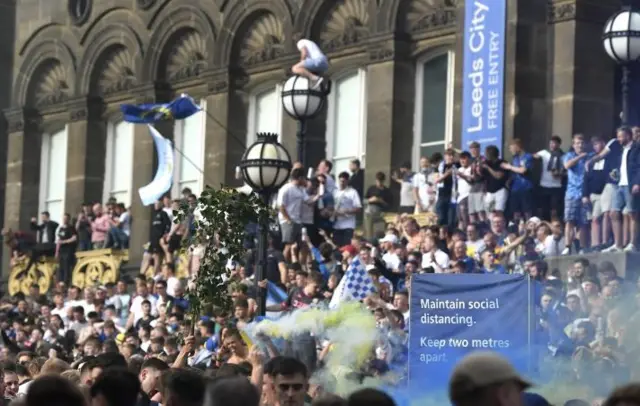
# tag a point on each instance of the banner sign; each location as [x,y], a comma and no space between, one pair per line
[483,74]
[453,315]
[161,182]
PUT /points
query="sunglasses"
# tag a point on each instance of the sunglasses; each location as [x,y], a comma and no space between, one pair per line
[297,387]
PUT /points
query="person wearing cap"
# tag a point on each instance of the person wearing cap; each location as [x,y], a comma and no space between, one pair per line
[484,378]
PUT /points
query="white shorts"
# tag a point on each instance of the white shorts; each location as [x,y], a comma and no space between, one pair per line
[476,203]
[606,197]
[496,201]
[596,206]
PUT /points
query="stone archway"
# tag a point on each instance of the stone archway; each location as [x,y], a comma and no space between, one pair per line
[185,55]
[51,83]
[113,72]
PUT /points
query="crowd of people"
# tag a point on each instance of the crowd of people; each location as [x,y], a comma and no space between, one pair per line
[132,342]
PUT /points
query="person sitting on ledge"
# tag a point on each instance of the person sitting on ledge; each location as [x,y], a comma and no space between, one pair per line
[313,63]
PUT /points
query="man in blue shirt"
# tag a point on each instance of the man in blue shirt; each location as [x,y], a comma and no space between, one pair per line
[575,213]
[521,196]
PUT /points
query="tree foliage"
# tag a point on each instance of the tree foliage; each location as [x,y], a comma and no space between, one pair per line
[221,218]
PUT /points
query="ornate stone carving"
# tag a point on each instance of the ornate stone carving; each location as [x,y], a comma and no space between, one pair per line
[381,53]
[426,15]
[348,24]
[218,86]
[187,57]
[561,12]
[117,72]
[264,42]
[51,85]
[145,4]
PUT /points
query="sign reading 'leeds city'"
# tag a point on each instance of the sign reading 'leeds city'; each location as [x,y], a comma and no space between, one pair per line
[483,76]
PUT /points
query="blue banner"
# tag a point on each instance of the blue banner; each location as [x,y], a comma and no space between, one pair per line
[453,315]
[483,74]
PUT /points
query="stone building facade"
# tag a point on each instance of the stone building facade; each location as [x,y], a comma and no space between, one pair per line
[395,64]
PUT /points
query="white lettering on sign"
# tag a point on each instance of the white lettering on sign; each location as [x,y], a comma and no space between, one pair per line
[477,42]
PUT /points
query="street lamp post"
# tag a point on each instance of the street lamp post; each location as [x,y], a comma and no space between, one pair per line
[621,38]
[302,102]
[265,167]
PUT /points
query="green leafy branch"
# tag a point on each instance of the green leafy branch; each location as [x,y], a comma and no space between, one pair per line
[221,217]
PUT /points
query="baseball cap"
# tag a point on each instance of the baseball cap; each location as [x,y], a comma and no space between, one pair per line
[535,220]
[389,238]
[479,370]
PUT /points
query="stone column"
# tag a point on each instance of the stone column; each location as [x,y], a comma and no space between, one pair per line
[144,168]
[582,77]
[390,108]
[86,144]
[23,173]
[225,126]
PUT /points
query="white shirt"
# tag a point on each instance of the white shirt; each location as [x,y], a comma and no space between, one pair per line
[420,182]
[553,247]
[291,197]
[169,212]
[346,199]
[391,260]
[125,222]
[624,176]
[172,284]
[313,50]
[464,187]
[62,313]
[406,191]
[441,259]
[136,307]
[546,178]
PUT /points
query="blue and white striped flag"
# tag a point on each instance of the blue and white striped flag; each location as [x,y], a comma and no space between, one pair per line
[275,296]
[356,284]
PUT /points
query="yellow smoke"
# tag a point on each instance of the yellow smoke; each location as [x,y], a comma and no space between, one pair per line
[351,329]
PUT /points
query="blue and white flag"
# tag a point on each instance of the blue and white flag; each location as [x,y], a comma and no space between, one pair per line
[275,296]
[161,182]
[356,284]
[179,109]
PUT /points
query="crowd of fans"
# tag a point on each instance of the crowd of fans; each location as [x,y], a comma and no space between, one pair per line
[132,342]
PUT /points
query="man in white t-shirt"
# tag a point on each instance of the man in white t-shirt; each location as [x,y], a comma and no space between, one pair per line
[434,260]
[551,194]
[313,62]
[291,199]
[464,180]
[421,187]
[347,205]
[142,294]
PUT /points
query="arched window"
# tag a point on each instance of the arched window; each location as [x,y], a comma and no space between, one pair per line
[265,113]
[433,121]
[118,180]
[347,120]
[189,156]
[53,174]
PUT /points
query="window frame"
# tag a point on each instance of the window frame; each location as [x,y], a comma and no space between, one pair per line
[419,102]
[252,122]
[361,154]
[107,190]
[178,143]
[45,160]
